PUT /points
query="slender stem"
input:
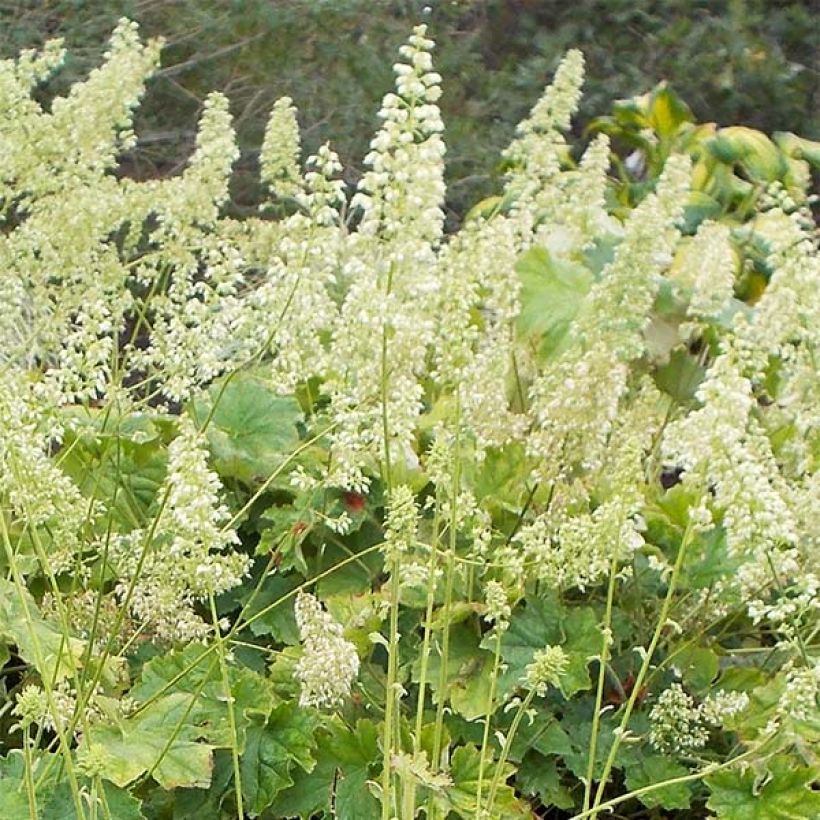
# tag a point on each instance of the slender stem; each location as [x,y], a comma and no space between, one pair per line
[29,774]
[448,590]
[642,672]
[93,798]
[485,740]
[390,732]
[508,740]
[39,662]
[686,778]
[390,694]
[226,687]
[428,632]
[606,641]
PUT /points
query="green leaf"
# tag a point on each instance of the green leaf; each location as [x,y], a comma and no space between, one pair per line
[541,622]
[538,776]
[699,207]
[552,291]
[651,769]
[759,157]
[279,622]
[583,641]
[161,740]
[121,462]
[708,561]
[485,208]
[38,642]
[698,665]
[119,803]
[201,680]
[461,796]
[252,430]
[680,376]
[355,752]
[533,625]
[272,750]
[667,111]
[13,798]
[784,794]
[799,147]
[578,726]
[544,734]
[356,576]
[468,672]
[310,794]
[192,803]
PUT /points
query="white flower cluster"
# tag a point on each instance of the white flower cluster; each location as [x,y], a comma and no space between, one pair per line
[190,557]
[576,399]
[324,194]
[582,216]
[38,493]
[536,151]
[400,524]
[706,266]
[678,726]
[32,707]
[281,146]
[721,442]
[786,316]
[329,664]
[547,666]
[801,695]
[389,267]
[143,292]
[403,191]
[497,605]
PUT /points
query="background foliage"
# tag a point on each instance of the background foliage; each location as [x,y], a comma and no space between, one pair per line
[743,62]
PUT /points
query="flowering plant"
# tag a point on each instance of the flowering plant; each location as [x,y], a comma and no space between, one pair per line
[336,515]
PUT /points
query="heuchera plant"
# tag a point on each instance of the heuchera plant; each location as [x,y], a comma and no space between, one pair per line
[333,515]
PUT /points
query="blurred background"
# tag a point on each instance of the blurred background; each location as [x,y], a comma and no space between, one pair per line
[749,62]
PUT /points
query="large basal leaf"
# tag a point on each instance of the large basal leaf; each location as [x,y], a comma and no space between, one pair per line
[583,642]
[160,740]
[577,724]
[201,679]
[785,794]
[273,748]
[121,462]
[651,769]
[698,666]
[119,804]
[552,291]
[461,796]
[468,673]
[13,799]
[311,792]
[38,642]
[252,429]
[355,752]
[544,622]
[539,776]
[543,734]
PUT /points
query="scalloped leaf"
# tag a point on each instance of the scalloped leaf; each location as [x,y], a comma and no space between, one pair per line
[785,793]
[252,429]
